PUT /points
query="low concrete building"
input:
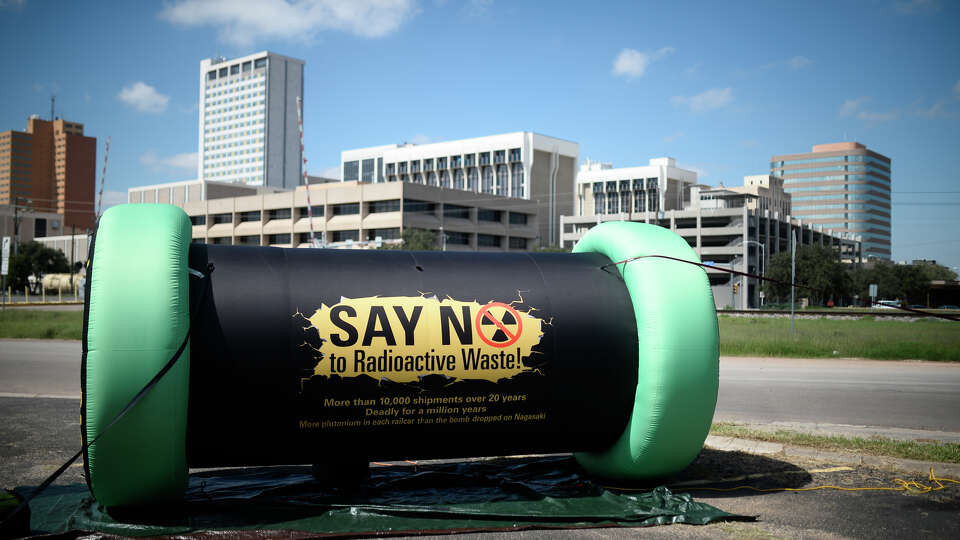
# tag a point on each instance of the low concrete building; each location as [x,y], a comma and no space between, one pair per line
[738,230]
[352,214]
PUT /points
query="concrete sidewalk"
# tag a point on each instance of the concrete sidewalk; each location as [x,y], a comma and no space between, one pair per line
[730,444]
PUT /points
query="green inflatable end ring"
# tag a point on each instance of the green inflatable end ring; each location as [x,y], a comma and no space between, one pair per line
[137,313]
[678,352]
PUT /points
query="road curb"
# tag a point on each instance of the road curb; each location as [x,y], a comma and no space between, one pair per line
[732,444]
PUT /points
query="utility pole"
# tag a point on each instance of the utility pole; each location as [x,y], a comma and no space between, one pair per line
[793,279]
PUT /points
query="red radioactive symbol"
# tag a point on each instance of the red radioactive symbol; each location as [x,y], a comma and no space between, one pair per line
[498,324]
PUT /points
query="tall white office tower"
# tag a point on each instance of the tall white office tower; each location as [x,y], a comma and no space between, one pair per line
[248,120]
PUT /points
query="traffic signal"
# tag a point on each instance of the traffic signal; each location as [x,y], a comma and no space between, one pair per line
[736,288]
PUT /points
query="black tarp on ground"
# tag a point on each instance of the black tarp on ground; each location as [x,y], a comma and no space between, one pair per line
[499,494]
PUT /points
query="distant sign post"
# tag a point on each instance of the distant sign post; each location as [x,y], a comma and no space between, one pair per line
[873,294]
[4,268]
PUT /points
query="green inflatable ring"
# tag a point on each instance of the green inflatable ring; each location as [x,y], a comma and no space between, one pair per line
[678,352]
[136,314]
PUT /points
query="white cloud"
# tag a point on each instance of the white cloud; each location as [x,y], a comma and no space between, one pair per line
[477,8]
[243,22]
[909,7]
[937,110]
[143,97]
[185,162]
[855,108]
[332,171]
[799,62]
[632,63]
[714,98]
[671,138]
[851,106]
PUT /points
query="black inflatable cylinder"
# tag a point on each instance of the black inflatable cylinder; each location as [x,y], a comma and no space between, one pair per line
[427,354]
[336,356]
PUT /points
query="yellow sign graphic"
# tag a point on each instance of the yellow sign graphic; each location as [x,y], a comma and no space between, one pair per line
[402,338]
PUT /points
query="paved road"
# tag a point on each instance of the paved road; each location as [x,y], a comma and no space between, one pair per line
[907,395]
[910,395]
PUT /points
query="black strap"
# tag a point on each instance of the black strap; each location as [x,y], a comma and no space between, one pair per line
[133,402]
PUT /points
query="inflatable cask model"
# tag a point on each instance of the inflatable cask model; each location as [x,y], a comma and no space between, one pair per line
[326,356]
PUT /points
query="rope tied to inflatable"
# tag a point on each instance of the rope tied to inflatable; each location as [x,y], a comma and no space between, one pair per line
[133,401]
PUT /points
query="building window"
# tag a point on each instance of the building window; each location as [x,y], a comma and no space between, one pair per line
[279,213]
[343,236]
[274,239]
[501,180]
[499,156]
[639,199]
[420,207]
[444,179]
[198,220]
[384,234]
[598,187]
[346,209]
[222,73]
[212,75]
[367,170]
[624,185]
[250,240]
[247,66]
[516,189]
[402,168]
[489,240]
[654,203]
[458,179]
[485,214]
[472,179]
[222,218]
[651,183]
[517,218]
[379,169]
[390,168]
[260,63]
[611,186]
[317,211]
[514,154]
[235,69]
[418,178]
[625,201]
[247,217]
[415,166]
[377,207]
[637,184]
[598,203]
[304,237]
[518,243]
[484,158]
[456,162]
[487,186]
[431,178]
[457,238]
[469,160]
[428,164]
[442,163]
[612,204]
[351,170]
[456,211]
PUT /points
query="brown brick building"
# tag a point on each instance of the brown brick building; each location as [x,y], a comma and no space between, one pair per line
[50,168]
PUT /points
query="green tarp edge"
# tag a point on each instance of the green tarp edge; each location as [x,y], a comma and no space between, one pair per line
[508,493]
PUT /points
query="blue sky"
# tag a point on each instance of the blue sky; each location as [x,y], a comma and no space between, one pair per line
[721,87]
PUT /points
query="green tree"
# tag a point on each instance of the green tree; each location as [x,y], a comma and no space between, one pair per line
[415,240]
[817,268]
[33,258]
